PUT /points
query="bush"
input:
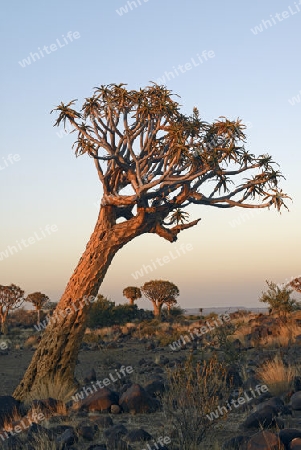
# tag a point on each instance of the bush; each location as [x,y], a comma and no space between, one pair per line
[195,390]
[104,313]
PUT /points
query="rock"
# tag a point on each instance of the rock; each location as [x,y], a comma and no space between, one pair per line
[8,408]
[295,444]
[296,401]
[137,400]
[86,432]
[264,440]
[66,439]
[116,432]
[115,409]
[276,403]
[137,435]
[101,400]
[155,387]
[288,434]
[264,418]
[297,384]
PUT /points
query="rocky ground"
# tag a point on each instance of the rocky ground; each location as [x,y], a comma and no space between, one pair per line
[124,378]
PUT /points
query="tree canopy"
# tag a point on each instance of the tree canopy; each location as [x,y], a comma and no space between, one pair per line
[132,293]
[160,292]
[150,156]
[11,297]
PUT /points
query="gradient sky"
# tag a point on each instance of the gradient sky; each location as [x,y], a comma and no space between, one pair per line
[251,76]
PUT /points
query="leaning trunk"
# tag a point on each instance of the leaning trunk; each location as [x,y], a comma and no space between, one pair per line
[55,358]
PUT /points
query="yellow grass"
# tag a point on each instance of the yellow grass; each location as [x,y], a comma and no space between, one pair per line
[277,376]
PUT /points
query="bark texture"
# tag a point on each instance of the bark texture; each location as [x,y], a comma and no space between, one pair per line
[55,358]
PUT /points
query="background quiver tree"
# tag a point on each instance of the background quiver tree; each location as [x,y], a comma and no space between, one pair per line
[159,292]
[11,297]
[132,293]
[38,300]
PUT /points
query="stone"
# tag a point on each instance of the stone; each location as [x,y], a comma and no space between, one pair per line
[264,440]
[137,400]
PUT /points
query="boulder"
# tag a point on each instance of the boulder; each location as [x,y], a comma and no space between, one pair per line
[137,400]
[264,418]
[101,400]
[264,440]
[288,434]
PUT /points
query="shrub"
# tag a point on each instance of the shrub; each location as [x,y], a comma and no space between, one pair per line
[195,390]
[277,375]
[104,313]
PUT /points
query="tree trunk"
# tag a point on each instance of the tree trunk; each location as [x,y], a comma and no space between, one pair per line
[39,316]
[4,326]
[55,358]
[157,309]
[131,301]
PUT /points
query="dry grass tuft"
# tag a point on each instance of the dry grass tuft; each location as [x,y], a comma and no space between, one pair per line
[277,375]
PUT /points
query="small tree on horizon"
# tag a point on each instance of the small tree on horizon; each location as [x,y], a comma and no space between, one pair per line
[38,300]
[279,299]
[159,292]
[11,297]
[132,293]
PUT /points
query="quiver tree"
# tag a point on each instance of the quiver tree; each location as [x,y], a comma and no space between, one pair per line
[132,293]
[150,160]
[169,303]
[159,292]
[38,300]
[11,297]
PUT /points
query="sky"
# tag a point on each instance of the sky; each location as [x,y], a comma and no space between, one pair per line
[232,59]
